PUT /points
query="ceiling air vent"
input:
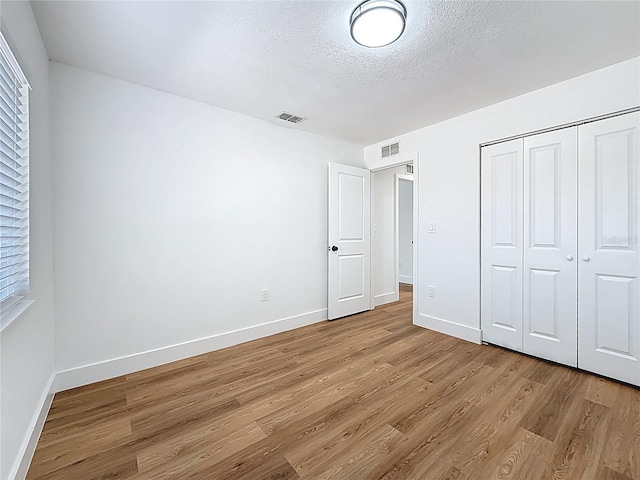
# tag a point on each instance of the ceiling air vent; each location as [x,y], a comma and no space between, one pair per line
[289,117]
[392,149]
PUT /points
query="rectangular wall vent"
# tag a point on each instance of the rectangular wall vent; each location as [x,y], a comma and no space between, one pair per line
[410,169]
[392,149]
[291,118]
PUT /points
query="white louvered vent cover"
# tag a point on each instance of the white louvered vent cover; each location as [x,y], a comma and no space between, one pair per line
[14,179]
[289,117]
[410,169]
[392,149]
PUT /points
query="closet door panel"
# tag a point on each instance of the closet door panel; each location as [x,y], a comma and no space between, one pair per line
[550,246]
[501,238]
[609,213]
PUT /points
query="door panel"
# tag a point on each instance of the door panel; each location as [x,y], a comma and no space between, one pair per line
[350,276]
[609,287]
[614,296]
[351,207]
[349,289]
[504,199]
[544,195]
[543,312]
[550,246]
[505,309]
[501,238]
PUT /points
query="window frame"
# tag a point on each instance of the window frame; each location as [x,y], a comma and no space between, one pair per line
[14,305]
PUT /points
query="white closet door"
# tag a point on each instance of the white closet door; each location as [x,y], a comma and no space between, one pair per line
[501,239]
[609,263]
[550,246]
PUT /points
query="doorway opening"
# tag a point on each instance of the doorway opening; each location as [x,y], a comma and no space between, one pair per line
[393,235]
[404,234]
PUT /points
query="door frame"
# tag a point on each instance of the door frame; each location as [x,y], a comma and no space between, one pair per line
[398,178]
[413,158]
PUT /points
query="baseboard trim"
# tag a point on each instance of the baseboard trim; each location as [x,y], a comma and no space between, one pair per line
[28,448]
[447,327]
[406,279]
[96,372]
[385,298]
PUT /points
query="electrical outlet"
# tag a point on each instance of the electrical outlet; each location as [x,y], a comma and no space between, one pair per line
[432,227]
[431,291]
[264,295]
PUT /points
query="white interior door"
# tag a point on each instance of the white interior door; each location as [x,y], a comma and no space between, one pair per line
[349,286]
[609,264]
[550,246]
[501,244]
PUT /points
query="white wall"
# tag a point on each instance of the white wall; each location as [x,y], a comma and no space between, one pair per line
[171,216]
[26,346]
[384,281]
[405,231]
[449,183]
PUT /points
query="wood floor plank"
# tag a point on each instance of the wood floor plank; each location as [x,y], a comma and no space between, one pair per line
[601,390]
[195,449]
[493,425]
[546,418]
[366,454]
[70,449]
[324,394]
[578,449]
[306,458]
[367,397]
[621,451]
[117,462]
[518,458]
[605,473]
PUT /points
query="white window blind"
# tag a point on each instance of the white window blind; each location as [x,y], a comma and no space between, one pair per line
[14,180]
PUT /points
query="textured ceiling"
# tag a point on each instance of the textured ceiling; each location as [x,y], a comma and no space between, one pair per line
[262,57]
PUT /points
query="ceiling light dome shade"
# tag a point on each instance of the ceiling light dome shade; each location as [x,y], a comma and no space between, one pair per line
[376,23]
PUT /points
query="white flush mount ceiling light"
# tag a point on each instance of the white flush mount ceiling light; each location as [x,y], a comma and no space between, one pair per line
[376,23]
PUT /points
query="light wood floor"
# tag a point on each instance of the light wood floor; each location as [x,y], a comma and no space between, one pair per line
[365,397]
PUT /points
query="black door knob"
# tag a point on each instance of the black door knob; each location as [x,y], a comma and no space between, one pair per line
[334,249]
